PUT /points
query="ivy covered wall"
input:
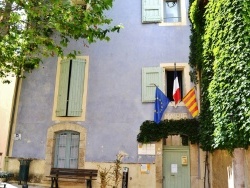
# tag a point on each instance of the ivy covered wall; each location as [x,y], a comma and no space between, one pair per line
[220,52]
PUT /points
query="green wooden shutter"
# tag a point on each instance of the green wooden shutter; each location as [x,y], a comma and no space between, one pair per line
[76,87]
[151,11]
[63,88]
[151,76]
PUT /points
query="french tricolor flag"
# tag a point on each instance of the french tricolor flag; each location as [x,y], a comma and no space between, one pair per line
[176,89]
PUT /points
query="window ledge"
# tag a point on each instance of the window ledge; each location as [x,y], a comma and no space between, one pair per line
[179,104]
[173,24]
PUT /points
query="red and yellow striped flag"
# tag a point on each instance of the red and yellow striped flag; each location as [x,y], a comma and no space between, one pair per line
[190,102]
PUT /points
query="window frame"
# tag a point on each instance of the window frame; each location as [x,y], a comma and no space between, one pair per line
[68,145]
[183,14]
[158,8]
[186,82]
[84,97]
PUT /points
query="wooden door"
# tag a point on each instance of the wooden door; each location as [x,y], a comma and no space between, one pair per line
[176,167]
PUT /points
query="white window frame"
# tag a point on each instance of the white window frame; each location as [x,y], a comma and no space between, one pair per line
[186,82]
[153,12]
[182,12]
[84,99]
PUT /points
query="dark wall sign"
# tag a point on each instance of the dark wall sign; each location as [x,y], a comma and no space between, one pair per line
[125,177]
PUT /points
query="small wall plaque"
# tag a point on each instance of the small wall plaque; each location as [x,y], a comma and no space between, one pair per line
[184,160]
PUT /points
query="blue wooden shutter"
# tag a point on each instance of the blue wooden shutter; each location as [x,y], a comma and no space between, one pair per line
[60,153]
[76,87]
[151,76]
[63,88]
[74,150]
[67,149]
[151,11]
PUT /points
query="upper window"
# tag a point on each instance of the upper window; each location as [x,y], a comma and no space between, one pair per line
[171,11]
[165,12]
[169,83]
[71,89]
[163,77]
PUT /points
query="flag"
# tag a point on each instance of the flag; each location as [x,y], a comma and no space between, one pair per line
[190,102]
[176,89]
[161,103]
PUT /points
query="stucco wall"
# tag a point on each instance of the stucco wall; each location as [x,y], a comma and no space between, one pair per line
[6,97]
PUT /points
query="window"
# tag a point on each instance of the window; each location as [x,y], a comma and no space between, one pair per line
[171,11]
[170,81]
[54,133]
[71,89]
[163,77]
[165,12]
[66,150]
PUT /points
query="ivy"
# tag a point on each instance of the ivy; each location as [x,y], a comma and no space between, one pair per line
[32,30]
[150,131]
[230,85]
[196,61]
[220,51]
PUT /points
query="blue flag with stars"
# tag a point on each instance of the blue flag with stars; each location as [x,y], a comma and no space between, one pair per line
[161,103]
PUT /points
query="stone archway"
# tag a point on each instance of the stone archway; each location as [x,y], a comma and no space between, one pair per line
[50,145]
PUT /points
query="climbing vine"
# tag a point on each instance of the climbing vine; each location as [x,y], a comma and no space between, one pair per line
[196,61]
[150,131]
[228,41]
[220,52]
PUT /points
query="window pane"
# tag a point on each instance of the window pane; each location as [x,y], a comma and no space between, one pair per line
[172,11]
[170,83]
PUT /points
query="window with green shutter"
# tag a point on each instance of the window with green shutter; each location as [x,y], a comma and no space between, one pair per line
[163,78]
[164,11]
[151,11]
[152,76]
[71,87]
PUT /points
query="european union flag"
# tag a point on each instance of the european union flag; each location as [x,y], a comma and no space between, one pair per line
[161,103]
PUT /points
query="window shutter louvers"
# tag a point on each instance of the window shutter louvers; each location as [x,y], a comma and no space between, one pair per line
[76,87]
[151,76]
[60,153]
[151,11]
[63,88]
[74,149]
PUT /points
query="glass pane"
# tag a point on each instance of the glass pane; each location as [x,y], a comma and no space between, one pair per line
[172,12]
